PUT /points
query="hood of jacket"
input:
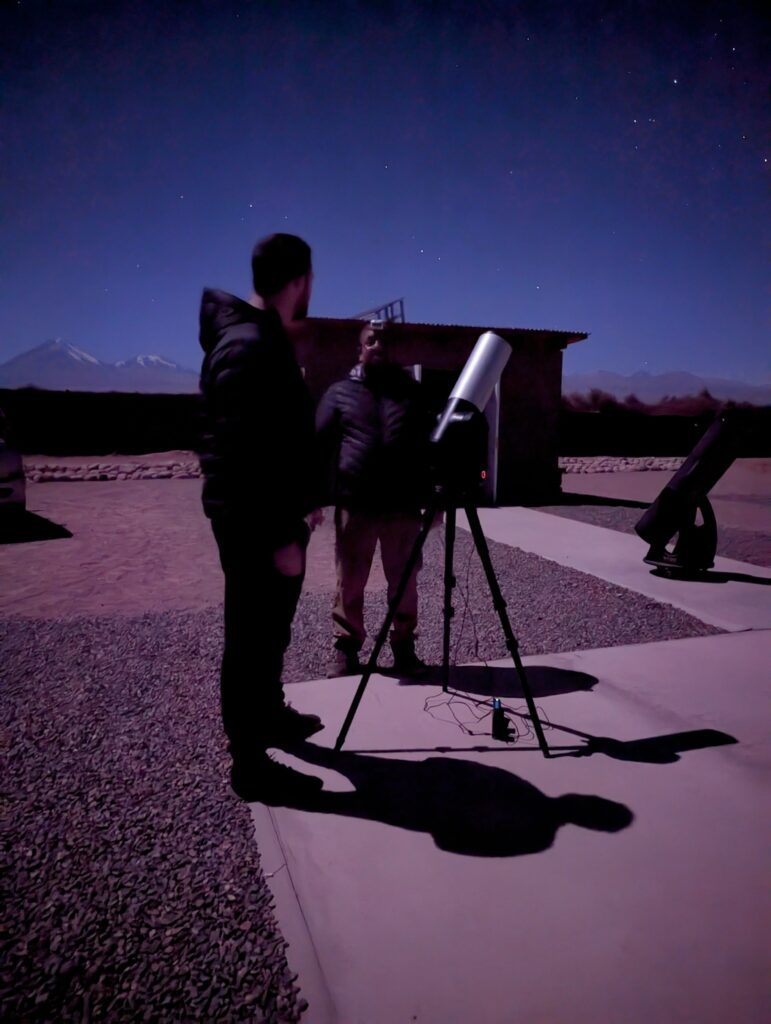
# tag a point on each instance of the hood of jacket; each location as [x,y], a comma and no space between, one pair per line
[221,310]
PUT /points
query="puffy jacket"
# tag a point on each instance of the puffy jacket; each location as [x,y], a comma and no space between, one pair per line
[257,438]
[373,431]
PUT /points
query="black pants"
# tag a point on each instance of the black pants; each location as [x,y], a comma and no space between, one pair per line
[259,607]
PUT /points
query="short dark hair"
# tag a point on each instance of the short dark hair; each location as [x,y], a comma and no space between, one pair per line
[277,260]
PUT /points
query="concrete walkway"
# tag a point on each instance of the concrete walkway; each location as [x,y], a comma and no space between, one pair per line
[444,876]
[733,595]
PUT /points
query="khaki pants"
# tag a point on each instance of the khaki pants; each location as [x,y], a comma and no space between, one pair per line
[356,537]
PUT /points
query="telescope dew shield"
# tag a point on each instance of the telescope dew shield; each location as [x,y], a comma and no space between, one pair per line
[459,440]
[482,371]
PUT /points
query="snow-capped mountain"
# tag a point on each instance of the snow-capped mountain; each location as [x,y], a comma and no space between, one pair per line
[57,365]
[155,362]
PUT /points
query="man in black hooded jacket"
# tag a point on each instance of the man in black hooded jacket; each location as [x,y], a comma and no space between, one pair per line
[257,454]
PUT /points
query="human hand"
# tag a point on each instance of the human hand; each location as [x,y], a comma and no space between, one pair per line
[315,518]
[289,560]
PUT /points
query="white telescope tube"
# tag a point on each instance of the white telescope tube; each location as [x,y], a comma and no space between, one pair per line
[482,370]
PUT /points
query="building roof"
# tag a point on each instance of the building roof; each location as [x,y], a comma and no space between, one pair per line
[566,337]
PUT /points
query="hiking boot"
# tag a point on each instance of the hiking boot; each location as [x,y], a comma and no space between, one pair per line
[406,661]
[292,726]
[343,662]
[260,778]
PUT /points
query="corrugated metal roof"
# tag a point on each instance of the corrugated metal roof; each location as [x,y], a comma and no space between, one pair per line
[519,330]
[574,335]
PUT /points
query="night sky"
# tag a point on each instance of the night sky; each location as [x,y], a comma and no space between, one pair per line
[578,165]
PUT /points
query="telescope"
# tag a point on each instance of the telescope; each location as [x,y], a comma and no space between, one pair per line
[459,456]
[459,440]
[684,499]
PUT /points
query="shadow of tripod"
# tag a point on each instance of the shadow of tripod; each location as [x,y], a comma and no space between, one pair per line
[444,501]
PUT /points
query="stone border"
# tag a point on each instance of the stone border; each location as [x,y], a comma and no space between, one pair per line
[40,470]
[619,464]
[51,471]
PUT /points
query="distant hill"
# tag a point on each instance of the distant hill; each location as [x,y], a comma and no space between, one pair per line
[652,387]
[59,366]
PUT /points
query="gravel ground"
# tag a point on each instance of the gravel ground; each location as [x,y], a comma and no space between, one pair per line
[552,608]
[132,883]
[133,886]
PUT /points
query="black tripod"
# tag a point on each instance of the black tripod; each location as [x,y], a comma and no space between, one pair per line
[442,500]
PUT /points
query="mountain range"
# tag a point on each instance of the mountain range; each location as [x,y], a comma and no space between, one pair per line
[652,387]
[57,365]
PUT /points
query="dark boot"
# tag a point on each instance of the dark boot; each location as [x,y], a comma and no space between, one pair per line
[406,661]
[344,660]
[291,726]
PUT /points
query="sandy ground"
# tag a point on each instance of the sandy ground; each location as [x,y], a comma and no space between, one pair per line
[136,546]
[145,545]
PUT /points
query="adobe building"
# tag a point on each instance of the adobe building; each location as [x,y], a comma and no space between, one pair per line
[524,448]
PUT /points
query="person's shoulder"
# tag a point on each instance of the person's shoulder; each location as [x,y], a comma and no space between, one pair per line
[335,390]
[350,382]
[238,348]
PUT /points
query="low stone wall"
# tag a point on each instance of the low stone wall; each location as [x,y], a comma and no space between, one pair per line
[50,470]
[184,466]
[618,464]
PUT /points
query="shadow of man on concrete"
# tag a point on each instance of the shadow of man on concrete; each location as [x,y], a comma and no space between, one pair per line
[467,808]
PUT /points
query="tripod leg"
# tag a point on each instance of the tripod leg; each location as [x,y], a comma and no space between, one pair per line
[449,584]
[500,606]
[382,636]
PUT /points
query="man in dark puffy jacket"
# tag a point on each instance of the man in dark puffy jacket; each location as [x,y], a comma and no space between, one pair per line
[257,456]
[374,428]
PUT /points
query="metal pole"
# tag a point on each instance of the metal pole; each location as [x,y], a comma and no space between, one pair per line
[449,584]
[500,607]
